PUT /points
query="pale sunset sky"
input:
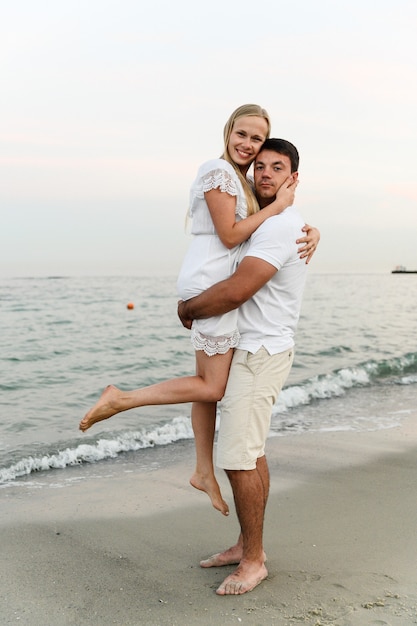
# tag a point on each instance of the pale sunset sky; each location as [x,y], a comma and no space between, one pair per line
[108,108]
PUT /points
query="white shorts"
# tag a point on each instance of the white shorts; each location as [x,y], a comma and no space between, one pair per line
[255,381]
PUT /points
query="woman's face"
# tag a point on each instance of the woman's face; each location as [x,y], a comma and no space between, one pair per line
[247,136]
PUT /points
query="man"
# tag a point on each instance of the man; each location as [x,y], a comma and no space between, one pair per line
[267,286]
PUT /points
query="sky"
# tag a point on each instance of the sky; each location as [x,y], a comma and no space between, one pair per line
[108,108]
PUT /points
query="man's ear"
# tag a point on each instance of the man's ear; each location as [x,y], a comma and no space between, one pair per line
[294,176]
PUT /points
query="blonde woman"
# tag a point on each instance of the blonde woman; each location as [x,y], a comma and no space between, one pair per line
[224,214]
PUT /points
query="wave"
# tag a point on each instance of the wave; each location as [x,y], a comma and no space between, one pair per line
[400,370]
[179,428]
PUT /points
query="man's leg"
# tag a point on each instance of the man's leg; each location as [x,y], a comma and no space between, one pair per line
[234,554]
[254,383]
[250,490]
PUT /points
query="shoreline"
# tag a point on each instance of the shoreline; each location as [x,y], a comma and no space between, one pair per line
[123,547]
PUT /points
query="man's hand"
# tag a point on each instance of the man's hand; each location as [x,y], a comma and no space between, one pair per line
[181,314]
[228,294]
[310,241]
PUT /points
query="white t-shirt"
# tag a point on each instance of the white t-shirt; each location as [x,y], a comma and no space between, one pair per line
[270,317]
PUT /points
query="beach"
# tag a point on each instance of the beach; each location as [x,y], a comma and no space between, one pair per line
[122,546]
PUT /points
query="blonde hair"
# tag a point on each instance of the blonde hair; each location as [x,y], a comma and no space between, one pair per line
[243,111]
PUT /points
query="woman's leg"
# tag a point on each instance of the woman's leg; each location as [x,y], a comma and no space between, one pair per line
[207,385]
[204,390]
[203,419]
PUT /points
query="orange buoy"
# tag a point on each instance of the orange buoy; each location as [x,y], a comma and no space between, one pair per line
[130,305]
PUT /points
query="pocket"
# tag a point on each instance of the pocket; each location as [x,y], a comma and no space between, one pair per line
[256,361]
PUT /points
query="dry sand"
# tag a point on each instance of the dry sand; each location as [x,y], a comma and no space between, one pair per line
[123,547]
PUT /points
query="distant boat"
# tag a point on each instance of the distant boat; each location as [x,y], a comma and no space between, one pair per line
[400,269]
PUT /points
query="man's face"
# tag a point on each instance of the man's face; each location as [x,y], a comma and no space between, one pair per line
[270,171]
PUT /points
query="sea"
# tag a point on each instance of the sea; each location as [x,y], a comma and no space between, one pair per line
[63,339]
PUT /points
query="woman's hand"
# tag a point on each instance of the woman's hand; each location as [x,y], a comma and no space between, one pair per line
[310,241]
[286,193]
[284,198]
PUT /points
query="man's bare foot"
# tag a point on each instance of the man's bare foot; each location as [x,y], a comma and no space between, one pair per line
[210,485]
[246,577]
[231,556]
[103,409]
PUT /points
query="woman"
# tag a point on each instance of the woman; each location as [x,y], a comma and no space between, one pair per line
[225,213]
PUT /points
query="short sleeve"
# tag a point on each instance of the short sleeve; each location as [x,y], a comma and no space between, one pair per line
[219,179]
[273,241]
[217,174]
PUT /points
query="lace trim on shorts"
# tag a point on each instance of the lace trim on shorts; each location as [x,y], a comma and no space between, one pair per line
[214,345]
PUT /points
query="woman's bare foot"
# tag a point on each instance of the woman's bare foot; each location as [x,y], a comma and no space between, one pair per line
[103,409]
[210,485]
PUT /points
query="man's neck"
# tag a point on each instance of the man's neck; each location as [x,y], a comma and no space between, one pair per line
[263,202]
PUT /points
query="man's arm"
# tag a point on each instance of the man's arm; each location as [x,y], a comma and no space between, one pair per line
[251,274]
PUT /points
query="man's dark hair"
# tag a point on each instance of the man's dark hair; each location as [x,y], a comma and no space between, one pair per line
[282,146]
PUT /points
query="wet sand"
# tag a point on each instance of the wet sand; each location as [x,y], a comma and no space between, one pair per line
[122,545]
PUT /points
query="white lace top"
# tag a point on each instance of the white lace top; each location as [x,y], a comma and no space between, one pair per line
[214,174]
[208,261]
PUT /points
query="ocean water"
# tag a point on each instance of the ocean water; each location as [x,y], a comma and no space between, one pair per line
[64,339]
